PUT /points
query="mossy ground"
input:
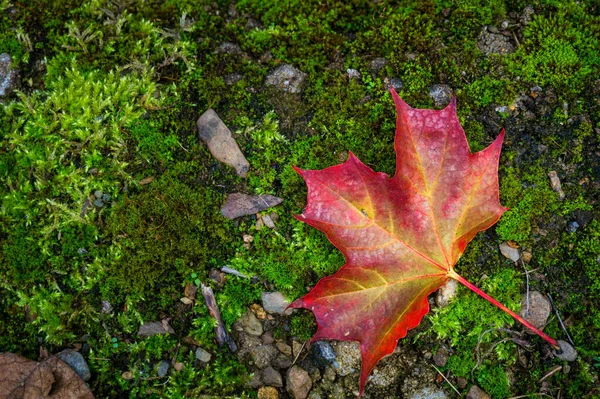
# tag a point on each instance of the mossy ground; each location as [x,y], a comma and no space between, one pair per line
[110,94]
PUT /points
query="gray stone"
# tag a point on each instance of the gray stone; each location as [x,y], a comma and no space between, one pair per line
[383,377]
[163,368]
[441,95]
[229,48]
[477,393]
[76,361]
[348,357]
[232,78]
[377,64]
[510,252]
[284,348]
[272,377]
[566,352]
[221,144]
[106,307]
[255,380]
[98,194]
[446,293]
[237,204]
[154,328]
[298,382]
[395,83]
[274,302]
[268,221]
[539,309]
[287,78]
[494,43]
[250,324]
[441,357]
[203,355]
[353,73]
[555,184]
[282,361]
[323,353]
[263,355]
[9,77]
[429,393]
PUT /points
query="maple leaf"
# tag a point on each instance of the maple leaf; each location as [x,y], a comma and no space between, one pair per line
[401,236]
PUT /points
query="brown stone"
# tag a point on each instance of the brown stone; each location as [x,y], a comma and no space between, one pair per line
[268,393]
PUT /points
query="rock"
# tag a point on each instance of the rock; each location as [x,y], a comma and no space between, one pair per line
[323,353]
[9,77]
[154,328]
[555,184]
[539,309]
[510,252]
[76,361]
[572,227]
[186,301]
[98,194]
[232,78]
[429,393]
[250,324]
[229,48]
[348,357]
[296,348]
[178,366]
[272,377]
[203,355]
[221,144]
[566,352]
[274,302]
[446,293]
[526,256]
[268,221]
[163,368]
[352,74]
[267,338]
[461,382]
[284,348]
[494,43]
[441,95]
[477,393]
[268,393]
[441,357]
[258,311]
[263,355]
[282,361]
[298,383]
[127,375]
[503,109]
[287,78]
[238,204]
[255,380]
[105,307]
[383,377]
[377,64]
[395,83]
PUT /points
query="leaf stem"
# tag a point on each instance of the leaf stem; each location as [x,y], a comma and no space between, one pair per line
[463,281]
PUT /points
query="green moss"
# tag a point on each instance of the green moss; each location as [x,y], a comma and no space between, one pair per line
[166,231]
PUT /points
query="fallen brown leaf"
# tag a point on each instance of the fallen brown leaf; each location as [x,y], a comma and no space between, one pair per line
[28,379]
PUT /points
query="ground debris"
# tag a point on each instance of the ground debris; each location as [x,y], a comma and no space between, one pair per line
[220,142]
[238,204]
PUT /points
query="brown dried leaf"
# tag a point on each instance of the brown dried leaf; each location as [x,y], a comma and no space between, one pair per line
[28,379]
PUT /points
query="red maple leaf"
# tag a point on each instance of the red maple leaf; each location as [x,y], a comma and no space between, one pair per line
[401,236]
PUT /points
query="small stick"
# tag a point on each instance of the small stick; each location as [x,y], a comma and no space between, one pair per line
[444,377]
[527,280]
[560,320]
[552,371]
[299,352]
